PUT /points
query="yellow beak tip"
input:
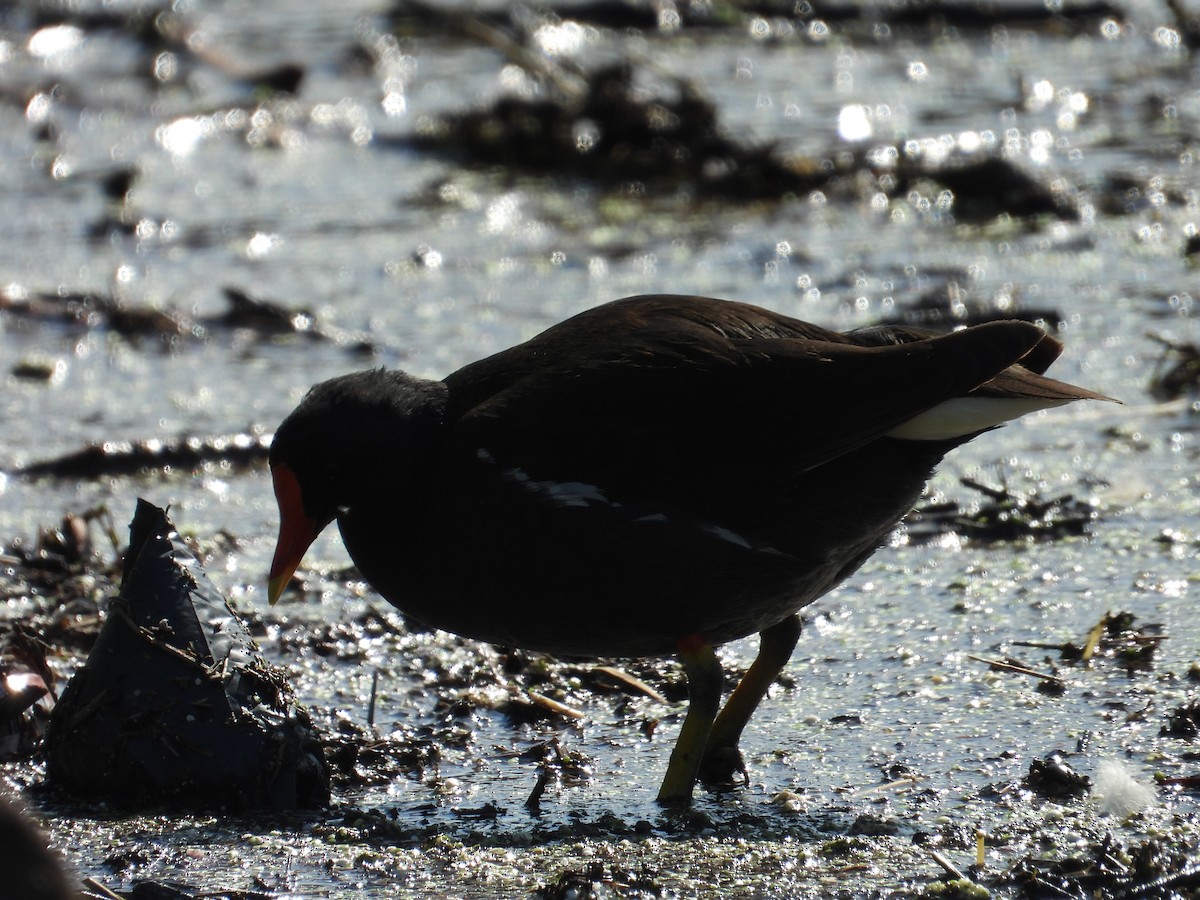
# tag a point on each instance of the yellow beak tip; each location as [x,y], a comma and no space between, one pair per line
[275,588]
[297,531]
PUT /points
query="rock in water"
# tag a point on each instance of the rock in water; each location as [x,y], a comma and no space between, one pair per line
[175,705]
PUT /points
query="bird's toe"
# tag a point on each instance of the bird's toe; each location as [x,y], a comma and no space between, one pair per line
[723,766]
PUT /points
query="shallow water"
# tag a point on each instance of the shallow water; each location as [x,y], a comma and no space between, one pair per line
[320,204]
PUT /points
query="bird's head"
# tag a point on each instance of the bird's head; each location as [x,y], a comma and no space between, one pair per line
[349,443]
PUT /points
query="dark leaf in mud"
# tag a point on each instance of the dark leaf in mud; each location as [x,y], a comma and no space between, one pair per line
[1120,637]
[175,705]
[59,554]
[872,825]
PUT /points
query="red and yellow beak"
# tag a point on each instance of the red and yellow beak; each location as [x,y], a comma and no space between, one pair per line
[297,531]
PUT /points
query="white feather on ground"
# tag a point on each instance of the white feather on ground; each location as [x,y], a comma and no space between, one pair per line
[1117,792]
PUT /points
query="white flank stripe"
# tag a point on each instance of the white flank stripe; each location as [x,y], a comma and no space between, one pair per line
[967,415]
[560,493]
[726,535]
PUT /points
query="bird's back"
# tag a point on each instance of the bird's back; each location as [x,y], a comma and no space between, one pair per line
[691,465]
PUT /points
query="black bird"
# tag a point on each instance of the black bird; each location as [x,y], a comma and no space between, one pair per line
[31,870]
[657,475]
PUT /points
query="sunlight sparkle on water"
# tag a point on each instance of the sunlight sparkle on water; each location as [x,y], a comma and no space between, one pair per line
[55,40]
[562,39]
[261,244]
[179,138]
[854,123]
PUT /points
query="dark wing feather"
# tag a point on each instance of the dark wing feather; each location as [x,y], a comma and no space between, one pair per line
[687,387]
[625,331]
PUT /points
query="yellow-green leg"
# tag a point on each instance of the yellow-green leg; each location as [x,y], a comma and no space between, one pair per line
[721,755]
[706,681]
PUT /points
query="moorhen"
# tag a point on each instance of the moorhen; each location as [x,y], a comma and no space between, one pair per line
[658,475]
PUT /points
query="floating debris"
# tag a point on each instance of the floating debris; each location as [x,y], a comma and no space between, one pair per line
[1053,777]
[627,682]
[360,757]
[1048,682]
[616,133]
[175,705]
[1117,637]
[1005,516]
[950,304]
[556,765]
[1114,636]
[1177,371]
[188,454]
[1183,782]
[266,317]
[985,187]
[984,16]
[148,889]
[65,548]
[597,880]
[788,20]
[602,125]
[48,371]
[1183,721]
[94,310]
[117,183]
[26,694]
[1153,870]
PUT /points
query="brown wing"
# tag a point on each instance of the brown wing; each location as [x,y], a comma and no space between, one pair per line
[692,386]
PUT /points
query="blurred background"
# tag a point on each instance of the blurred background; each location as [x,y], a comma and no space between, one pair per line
[206,207]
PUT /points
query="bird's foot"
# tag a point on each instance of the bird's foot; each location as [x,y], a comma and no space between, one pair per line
[705,680]
[723,766]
